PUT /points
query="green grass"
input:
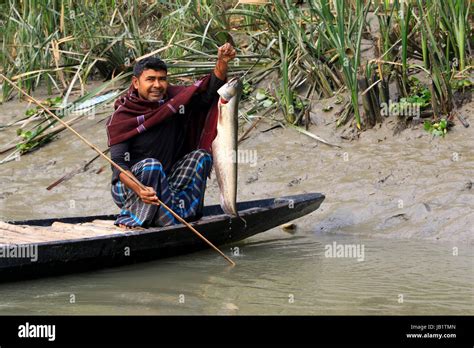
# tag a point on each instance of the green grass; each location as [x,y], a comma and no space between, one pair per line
[315,48]
[343,32]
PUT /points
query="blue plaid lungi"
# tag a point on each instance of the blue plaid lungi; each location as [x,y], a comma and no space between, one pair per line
[182,191]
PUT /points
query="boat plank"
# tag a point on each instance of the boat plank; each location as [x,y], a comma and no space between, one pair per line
[104,222]
[96,226]
[18,228]
[10,237]
[83,230]
[26,233]
[10,233]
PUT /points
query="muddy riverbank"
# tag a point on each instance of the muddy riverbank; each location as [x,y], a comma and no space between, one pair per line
[405,186]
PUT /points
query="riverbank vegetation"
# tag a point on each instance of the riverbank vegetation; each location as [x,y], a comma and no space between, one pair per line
[369,54]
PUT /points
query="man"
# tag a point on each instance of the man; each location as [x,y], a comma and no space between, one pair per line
[162,135]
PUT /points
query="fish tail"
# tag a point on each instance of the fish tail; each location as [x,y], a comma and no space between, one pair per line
[226,208]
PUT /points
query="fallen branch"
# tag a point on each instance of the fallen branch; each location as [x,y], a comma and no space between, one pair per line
[74,172]
[314,136]
[461,119]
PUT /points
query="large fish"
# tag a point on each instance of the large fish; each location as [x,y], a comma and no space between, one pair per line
[224,146]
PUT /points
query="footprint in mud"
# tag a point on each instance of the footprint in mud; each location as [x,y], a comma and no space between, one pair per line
[338,220]
[4,195]
[46,165]
[296,181]
[393,221]
[251,178]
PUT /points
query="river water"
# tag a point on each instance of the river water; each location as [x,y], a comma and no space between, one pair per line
[407,202]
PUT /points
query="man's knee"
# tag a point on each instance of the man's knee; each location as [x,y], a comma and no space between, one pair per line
[203,154]
[147,165]
[205,161]
[150,161]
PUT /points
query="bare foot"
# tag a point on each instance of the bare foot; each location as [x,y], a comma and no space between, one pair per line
[125,227]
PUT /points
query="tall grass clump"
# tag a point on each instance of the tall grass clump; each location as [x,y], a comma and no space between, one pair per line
[343,32]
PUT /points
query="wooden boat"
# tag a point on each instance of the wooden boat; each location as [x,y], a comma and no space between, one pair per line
[75,244]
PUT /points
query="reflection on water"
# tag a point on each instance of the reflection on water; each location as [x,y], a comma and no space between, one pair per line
[276,273]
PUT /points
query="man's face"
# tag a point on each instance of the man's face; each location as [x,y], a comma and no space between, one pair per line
[151,85]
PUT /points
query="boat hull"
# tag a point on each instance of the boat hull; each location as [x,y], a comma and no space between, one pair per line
[85,254]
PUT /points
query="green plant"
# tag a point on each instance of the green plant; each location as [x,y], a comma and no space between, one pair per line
[247,89]
[439,63]
[461,84]
[436,128]
[344,32]
[309,66]
[404,14]
[455,22]
[386,18]
[284,93]
[419,94]
[264,98]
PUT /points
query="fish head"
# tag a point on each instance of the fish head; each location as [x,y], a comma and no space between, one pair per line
[231,89]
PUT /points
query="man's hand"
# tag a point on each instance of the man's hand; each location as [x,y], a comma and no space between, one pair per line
[148,195]
[226,52]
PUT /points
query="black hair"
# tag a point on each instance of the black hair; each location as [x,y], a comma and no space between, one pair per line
[149,63]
